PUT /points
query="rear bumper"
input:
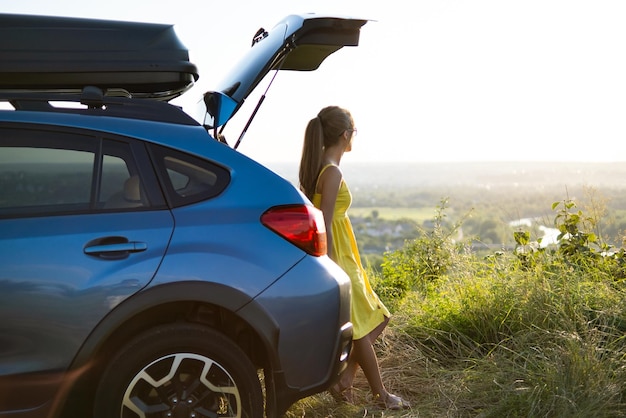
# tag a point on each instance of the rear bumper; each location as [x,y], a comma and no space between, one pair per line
[311,308]
[285,396]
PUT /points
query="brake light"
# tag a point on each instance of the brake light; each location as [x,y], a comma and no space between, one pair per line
[302,225]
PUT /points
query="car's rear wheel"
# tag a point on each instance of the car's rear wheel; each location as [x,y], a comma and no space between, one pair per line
[179,370]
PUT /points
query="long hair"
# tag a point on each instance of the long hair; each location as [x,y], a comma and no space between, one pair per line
[322,131]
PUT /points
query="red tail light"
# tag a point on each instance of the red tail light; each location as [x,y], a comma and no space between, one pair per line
[302,225]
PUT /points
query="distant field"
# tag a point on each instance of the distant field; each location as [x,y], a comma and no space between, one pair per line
[415,214]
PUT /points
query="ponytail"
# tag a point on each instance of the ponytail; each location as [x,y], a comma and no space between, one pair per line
[312,156]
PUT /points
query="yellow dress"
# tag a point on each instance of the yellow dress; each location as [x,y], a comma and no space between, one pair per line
[367,309]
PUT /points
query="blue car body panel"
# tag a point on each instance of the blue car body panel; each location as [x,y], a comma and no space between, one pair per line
[52,294]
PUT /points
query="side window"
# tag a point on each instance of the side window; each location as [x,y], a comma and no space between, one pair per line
[45,172]
[188,179]
[53,173]
[114,175]
[121,184]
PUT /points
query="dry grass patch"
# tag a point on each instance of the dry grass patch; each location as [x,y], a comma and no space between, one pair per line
[431,388]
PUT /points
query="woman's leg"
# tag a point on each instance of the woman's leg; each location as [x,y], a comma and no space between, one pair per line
[378,330]
[365,356]
[348,375]
[342,390]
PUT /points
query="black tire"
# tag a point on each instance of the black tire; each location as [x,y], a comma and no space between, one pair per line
[179,370]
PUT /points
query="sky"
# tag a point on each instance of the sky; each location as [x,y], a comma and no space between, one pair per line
[431,80]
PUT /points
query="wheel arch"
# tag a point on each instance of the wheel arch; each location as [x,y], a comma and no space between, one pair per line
[211,304]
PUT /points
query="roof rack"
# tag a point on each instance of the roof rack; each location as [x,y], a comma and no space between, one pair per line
[97,103]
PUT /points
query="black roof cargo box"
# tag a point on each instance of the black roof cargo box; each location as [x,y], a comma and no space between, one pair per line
[60,53]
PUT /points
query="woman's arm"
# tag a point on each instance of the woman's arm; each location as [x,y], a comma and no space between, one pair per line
[328,187]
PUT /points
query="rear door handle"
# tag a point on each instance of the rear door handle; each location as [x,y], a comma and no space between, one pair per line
[114,247]
[130,247]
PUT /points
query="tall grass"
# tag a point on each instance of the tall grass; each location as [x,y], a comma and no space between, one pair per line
[530,333]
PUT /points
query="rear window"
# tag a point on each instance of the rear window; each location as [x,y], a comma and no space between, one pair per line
[188,179]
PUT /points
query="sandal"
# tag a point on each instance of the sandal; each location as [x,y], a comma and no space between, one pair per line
[341,395]
[391,402]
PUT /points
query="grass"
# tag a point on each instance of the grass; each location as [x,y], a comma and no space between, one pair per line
[522,334]
[521,351]
[402,371]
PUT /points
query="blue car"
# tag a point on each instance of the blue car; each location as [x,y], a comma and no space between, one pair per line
[148,269]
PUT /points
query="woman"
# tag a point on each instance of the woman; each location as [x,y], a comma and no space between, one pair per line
[327,137]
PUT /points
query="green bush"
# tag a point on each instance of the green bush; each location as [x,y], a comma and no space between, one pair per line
[538,332]
[421,262]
